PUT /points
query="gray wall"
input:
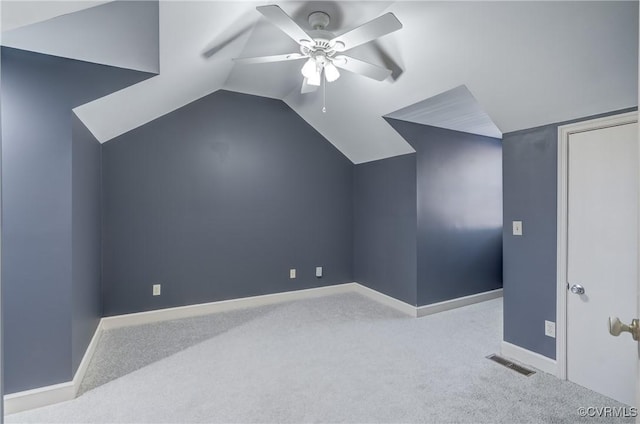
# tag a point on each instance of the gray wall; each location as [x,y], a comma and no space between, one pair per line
[38,93]
[459,201]
[217,200]
[385,226]
[86,244]
[530,167]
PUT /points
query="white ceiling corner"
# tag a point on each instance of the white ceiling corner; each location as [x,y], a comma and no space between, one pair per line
[119,33]
[187,31]
[454,109]
[354,123]
[19,13]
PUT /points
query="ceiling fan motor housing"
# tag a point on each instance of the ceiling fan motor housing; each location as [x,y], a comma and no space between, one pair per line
[320,36]
[319,48]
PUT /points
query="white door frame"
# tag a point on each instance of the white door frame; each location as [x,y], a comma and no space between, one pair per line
[564,132]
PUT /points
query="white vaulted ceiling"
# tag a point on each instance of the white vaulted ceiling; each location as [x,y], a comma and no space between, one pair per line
[117,34]
[455,109]
[22,13]
[524,64]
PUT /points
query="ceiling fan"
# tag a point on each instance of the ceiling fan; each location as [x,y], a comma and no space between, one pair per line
[323,50]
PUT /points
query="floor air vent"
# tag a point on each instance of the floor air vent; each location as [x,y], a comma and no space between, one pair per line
[522,370]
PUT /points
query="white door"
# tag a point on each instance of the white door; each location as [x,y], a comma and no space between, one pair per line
[602,258]
[637,404]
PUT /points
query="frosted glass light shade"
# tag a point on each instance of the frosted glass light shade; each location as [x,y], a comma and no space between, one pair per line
[331,73]
[314,79]
[309,69]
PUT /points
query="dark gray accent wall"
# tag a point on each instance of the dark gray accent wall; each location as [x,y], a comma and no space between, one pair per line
[530,196]
[38,93]
[530,168]
[385,226]
[218,200]
[459,209]
[86,227]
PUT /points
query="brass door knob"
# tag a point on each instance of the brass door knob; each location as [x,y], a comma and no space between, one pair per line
[616,327]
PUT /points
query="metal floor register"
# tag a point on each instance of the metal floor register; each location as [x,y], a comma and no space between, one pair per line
[507,363]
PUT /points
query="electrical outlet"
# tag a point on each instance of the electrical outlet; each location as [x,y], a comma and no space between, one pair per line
[550,329]
[318,271]
[156,289]
[517,228]
[292,273]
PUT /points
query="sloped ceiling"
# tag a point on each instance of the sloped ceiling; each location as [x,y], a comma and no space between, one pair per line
[117,34]
[455,109]
[16,14]
[526,63]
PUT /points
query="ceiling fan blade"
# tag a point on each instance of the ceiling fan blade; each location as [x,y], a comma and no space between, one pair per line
[308,88]
[361,67]
[283,21]
[268,59]
[373,29]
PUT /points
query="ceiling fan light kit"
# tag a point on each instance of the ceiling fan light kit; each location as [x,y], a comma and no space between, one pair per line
[323,49]
[310,68]
[314,79]
[331,73]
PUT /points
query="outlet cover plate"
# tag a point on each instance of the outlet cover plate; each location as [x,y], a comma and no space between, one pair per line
[550,329]
[156,289]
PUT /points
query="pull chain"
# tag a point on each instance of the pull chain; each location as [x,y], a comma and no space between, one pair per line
[324,94]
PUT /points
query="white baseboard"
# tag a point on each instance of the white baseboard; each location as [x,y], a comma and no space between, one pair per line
[188,311]
[43,396]
[434,308]
[86,359]
[384,299]
[48,395]
[35,398]
[529,358]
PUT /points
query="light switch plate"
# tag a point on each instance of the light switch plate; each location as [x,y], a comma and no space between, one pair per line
[292,273]
[517,228]
[156,289]
[318,271]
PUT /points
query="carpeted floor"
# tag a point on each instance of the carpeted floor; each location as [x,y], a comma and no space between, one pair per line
[337,359]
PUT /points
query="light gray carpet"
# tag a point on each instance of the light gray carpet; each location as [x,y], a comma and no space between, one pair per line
[340,358]
[123,351]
